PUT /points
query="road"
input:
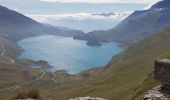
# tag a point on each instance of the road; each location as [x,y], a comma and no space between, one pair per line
[54,77]
[37,78]
[3,53]
[3,50]
[19,85]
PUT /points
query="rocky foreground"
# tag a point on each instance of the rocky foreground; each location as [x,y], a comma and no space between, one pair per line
[26,99]
[79,98]
[88,98]
[156,94]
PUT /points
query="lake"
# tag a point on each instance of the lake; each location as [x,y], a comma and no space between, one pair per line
[65,53]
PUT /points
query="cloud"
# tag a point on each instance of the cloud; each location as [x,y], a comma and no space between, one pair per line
[100,1]
[17,9]
[78,17]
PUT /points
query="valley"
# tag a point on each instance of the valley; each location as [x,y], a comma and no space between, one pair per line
[138,41]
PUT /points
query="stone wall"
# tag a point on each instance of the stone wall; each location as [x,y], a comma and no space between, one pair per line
[162,70]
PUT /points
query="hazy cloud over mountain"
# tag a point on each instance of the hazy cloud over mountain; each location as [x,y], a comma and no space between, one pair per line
[84,21]
[101,1]
[86,15]
[79,16]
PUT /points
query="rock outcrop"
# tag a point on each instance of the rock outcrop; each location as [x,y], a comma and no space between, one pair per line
[155,94]
[88,98]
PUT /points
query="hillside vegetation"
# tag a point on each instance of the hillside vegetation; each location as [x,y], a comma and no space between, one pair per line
[129,72]
[128,76]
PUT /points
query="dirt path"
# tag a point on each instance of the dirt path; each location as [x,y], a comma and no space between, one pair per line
[3,53]
[19,85]
[53,79]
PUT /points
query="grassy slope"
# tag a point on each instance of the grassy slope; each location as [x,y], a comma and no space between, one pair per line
[129,74]
[130,70]
[12,74]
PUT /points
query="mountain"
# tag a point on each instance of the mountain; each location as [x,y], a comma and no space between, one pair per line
[162,4]
[15,26]
[128,76]
[105,14]
[136,27]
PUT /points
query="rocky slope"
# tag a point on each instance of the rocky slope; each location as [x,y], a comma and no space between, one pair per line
[155,94]
[88,98]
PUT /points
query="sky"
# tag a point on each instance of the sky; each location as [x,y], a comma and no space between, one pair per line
[83,15]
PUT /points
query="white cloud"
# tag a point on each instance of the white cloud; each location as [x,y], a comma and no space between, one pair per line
[78,17]
[100,1]
[17,9]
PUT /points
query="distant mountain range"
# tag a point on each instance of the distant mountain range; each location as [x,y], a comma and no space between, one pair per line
[15,26]
[139,25]
[110,14]
[105,14]
[136,27]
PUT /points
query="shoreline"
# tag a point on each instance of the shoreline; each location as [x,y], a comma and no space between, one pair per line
[46,64]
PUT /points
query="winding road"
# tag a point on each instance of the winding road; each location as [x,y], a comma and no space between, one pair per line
[19,86]
[2,46]
[37,78]
[54,77]
[3,50]
[3,53]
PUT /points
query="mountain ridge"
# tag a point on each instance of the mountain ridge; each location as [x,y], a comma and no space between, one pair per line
[13,22]
[136,27]
[16,26]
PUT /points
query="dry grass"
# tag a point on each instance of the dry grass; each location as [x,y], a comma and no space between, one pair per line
[34,94]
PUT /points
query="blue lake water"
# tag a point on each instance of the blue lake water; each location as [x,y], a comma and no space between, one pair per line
[65,53]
